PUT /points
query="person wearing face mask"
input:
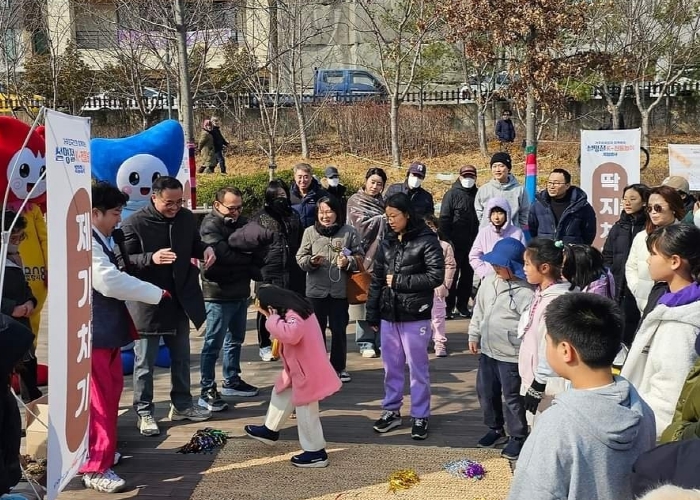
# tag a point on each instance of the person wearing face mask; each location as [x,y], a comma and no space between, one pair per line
[278,219]
[421,200]
[334,187]
[503,185]
[459,224]
[226,289]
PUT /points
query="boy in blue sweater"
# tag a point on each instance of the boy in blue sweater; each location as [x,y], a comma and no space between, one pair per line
[585,445]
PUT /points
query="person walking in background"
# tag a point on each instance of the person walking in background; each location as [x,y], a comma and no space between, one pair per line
[219,144]
[503,185]
[207,153]
[617,249]
[499,227]
[409,265]
[460,225]
[439,311]
[160,240]
[498,307]
[505,130]
[278,228]
[329,251]
[366,215]
[337,189]
[112,329]
[421,199]
[562,212]
[226,289]
[291,321]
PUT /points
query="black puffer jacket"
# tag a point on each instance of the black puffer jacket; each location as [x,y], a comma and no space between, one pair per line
[229,278]
[281,237]
[458,220]
[617,248]
[418,266]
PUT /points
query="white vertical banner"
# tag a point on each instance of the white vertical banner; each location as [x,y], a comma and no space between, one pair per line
[609,162]
[183,175]
[684,161]
[69,222]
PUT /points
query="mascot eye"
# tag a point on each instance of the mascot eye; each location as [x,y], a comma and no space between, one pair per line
[24,170]
[134,178]
[155,176]
[42,170]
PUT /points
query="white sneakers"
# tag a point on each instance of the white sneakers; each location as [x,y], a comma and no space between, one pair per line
[147,425]
[266,354]
[105,482]
[193,413]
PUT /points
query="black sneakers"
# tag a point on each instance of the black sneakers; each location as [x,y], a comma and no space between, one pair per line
[262,434]
[311,459]
[389,420]
[419,430]
[240,388]
[513,448]
[492,438]
[211,400]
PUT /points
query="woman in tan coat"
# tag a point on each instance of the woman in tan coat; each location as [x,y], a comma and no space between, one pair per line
[207,157]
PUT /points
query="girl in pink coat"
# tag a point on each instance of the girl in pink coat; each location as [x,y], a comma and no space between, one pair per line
[307,375]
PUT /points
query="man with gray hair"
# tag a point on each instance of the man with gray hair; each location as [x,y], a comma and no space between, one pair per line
[304,194]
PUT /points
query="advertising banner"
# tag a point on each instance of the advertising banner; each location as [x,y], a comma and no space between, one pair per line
[684,160]
[69,224]
[609,162]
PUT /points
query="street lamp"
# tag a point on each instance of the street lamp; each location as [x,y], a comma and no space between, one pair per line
[167,79]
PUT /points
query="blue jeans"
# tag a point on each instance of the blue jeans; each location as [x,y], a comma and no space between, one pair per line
[226,326]
[221,161]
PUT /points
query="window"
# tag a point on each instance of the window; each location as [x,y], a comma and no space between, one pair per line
[364,80]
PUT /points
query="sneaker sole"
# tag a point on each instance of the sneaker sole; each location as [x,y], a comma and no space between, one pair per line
[498,442]
[148,432]
[369,354]
[510,457]
[393,425]
[268,442]
[118,489]
[179,418]
[241,394]
[312,465]
[419,436]
[203,404]
[345,380]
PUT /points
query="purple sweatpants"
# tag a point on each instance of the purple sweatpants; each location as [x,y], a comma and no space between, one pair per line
[406,343]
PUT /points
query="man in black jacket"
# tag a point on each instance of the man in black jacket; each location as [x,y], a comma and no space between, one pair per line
[335,188]
[160,239]
[421,200]
[219,143]
[226,287]
[460,225]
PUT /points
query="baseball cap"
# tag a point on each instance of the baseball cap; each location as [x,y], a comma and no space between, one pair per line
[467,171]
[677,182]
[417,169]
[331,172]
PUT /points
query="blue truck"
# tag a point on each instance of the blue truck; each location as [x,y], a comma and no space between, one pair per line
[334,85]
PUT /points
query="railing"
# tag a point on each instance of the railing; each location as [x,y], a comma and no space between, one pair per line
[86,39]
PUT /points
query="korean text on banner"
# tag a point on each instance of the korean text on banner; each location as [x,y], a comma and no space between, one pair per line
[609,162]
[684,160]
[69,224]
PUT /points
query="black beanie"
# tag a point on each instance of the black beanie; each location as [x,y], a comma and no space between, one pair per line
[502,158]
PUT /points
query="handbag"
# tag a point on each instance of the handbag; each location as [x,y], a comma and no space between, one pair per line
[358,283]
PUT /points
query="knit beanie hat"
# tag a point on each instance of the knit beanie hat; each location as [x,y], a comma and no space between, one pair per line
[502,158]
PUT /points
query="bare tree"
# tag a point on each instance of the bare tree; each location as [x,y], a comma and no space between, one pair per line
[400,29]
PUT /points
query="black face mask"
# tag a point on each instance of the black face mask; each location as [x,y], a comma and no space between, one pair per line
[281,206]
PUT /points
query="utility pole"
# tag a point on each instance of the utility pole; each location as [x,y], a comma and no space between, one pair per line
[185,111]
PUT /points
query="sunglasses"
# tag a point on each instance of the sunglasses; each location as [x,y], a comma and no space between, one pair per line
[656,208]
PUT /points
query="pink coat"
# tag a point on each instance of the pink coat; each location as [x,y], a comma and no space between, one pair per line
[306,368]
[450,268]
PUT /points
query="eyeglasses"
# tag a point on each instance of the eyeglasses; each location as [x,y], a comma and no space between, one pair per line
[556,184]
[656,208]
[233,208]
[172,203]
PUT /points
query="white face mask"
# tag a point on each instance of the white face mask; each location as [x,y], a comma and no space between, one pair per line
[467,182]
[334,182]
[414,182]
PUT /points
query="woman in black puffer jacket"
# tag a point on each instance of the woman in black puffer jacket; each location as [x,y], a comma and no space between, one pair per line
[408,266]
[617,248]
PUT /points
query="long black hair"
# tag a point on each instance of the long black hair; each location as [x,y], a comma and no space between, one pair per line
[402,202]
[272,188]
[678,239]
[583,264]
[545,251]
[283,300]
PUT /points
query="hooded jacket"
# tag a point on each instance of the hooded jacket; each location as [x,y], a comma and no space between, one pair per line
[577,223]
[663,352]
[488,236]
[458,220]
[418,267]
[512,191]
[617,248]
[585,445]
[497,311]
[421,199]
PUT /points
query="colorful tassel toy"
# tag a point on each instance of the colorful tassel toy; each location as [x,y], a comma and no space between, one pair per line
[204,441]
[466,469]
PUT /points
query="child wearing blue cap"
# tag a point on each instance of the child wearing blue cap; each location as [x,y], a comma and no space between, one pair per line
[500,302]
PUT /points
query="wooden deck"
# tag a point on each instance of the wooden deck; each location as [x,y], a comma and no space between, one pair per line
[154,470]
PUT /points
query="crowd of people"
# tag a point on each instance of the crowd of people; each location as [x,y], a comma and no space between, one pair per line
[551,315]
